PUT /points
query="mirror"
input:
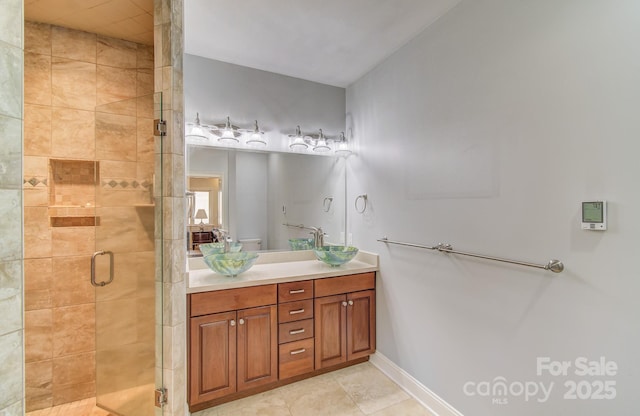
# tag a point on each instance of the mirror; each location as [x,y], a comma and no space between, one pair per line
[258,191]
[252,194]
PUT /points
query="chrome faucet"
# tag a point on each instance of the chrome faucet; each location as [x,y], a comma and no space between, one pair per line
[318,234]
[225,239]
[318,237]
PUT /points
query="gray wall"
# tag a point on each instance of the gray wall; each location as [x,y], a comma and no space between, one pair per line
[11,323]
[217,89]
[300,183]
[487,131]
[251,196]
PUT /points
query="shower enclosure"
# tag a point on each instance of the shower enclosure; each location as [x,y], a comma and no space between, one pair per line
[93,298]
[123,268]
[92,226]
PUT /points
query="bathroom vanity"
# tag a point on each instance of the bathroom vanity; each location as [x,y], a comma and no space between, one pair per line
[288,318]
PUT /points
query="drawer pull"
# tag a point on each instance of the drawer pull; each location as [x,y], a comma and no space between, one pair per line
[297,311]
[296,331]
[295,292]
[300,351]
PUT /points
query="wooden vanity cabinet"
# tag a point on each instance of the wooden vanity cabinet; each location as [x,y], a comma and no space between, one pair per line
[247,340]
[232,350]
[295,328]
[212,352]
[257,347]
[344,319]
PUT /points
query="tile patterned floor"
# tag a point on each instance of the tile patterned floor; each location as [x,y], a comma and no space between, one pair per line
[85,407]
[354,391]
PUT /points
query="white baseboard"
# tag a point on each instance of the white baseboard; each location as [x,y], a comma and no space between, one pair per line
[426,397]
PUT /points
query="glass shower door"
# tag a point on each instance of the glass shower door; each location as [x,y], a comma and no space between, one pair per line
[128,306]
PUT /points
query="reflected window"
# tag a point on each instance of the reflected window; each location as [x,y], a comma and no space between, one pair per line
[202,202]
[206,195]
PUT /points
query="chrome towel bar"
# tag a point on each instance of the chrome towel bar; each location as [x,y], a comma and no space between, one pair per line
[555,266]
[286,224]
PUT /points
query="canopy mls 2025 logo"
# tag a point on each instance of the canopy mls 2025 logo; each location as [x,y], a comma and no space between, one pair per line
[582,379]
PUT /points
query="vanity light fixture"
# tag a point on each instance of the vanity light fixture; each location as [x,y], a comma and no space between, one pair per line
[196,131]
[342,147]
[321,144]
[256,137]
[297,140]
[227,133]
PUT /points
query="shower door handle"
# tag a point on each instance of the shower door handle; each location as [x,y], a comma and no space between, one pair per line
[93,268]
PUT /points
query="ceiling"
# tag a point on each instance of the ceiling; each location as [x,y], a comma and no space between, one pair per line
[332,42]
[123,19]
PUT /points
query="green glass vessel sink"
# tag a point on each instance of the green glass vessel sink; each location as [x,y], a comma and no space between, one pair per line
[335,255]
[301,243]
[217,248]
[230,264]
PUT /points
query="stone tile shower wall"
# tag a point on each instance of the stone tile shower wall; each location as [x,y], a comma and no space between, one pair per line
[88,146]
[168,44]
[11,324]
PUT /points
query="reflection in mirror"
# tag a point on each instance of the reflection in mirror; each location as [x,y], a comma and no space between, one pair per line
[263,190]
[252,194]
[204,200]
[206,185]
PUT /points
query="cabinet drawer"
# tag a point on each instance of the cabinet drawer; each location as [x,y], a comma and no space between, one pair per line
[288,292]
[296,358]
[295,311]
[344,284]
[231,299]
[295,331]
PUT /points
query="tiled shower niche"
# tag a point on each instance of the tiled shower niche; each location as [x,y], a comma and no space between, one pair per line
[72,196]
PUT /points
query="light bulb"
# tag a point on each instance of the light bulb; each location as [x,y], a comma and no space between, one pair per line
[257,137]
[228,134]
[196,132]
[321,144]
[298,142]
[343,146]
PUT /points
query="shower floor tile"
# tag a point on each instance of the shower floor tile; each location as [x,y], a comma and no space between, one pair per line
[86,407]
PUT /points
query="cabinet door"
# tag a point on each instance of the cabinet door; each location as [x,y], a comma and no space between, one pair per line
[212,356]
[257,346]
[330,330]
[361,324]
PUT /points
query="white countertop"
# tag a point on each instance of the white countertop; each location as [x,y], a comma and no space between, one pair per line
[276,267]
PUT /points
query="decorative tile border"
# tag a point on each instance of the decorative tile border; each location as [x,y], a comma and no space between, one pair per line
[125,184]
[35,182]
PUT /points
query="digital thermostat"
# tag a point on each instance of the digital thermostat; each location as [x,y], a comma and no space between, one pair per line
[594,215]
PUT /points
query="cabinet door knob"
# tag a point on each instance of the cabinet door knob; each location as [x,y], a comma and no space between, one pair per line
[297,311]
[344,303]
[233,322]
[296,331]
[350,303]
[295,292]
[300,351]
[241,321]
